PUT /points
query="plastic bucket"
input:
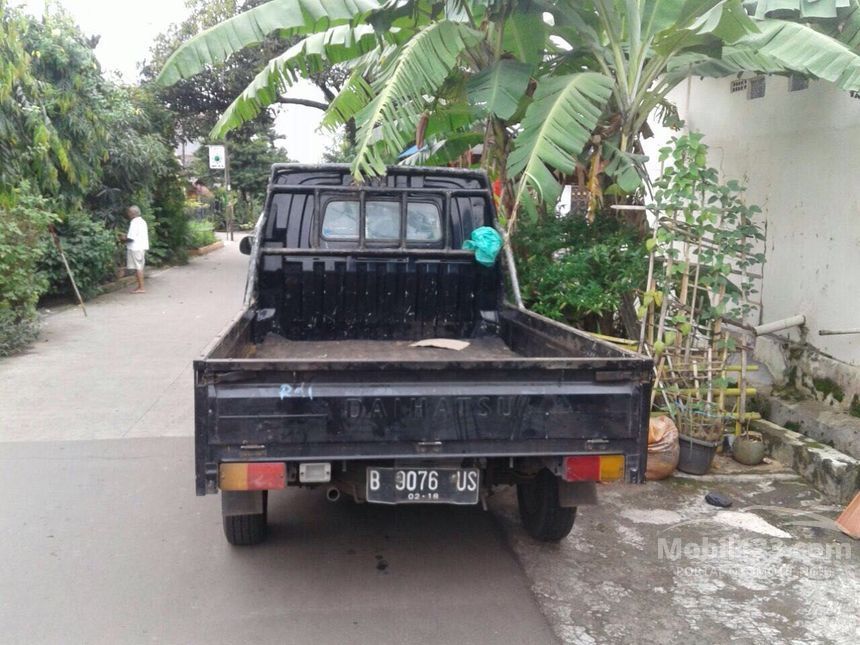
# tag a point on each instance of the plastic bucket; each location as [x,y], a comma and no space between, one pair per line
[696,455]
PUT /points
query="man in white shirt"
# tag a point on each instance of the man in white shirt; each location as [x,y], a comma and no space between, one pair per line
[137,244]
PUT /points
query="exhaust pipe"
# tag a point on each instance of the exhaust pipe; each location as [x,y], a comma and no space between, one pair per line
[332,494]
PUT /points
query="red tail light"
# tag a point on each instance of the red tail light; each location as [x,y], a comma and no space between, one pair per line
[252,476]
[593,468]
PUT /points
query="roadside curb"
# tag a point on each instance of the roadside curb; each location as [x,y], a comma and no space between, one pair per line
[116,285]
[203,250]
[835,474]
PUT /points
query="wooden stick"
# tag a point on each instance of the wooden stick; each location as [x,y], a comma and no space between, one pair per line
[693,304]
[59,246]
[725,354]
[659,373]
[648,285]
[742,402]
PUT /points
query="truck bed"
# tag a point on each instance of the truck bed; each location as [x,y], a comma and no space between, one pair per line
[275,347]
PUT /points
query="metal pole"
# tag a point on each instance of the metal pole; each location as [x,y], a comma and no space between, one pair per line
[837,332]
[512,271]
[228,208]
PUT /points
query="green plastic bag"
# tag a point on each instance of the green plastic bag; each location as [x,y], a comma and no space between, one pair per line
[486,243]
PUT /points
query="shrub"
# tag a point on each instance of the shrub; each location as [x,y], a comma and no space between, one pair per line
[18,328]
[23,224]
[89,247]
[578,272]
[246,212]
[200,234]
[168,207]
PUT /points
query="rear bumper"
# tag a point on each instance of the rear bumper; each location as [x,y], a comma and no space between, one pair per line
[537,455]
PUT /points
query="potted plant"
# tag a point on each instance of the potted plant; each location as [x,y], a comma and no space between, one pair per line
[700,429]
[748,448]
[704,244]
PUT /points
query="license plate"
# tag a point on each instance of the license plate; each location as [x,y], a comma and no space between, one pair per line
[423,485]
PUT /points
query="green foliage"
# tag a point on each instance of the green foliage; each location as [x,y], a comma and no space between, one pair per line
[339,150]
[200,233]
[195,103]
[89,248]
[829,387]
[72,97]
[577,272]
[168,209]
[704,223]
[506,70]
[29,143]
[312,56]
[198,100]
[136,156]
[556,127]
[854,409]
[499,89]
[23,228]
[247,211]
[251,27]
[422,66]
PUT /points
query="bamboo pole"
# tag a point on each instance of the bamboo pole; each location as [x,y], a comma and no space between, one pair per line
[650,308]
[742,402]
[728,391]
[59,246]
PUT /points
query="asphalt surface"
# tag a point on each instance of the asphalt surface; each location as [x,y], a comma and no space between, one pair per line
[102,539]
[105,542]
[125,369]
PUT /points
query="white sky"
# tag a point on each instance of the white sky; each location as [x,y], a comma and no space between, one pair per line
[127,30]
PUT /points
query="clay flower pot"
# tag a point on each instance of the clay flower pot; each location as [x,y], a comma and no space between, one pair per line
[748,448]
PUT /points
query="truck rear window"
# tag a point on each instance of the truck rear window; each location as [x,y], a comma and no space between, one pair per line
[340,221]
[382,221]
[423,222]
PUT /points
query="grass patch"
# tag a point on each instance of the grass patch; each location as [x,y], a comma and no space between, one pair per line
[854,410]
[200,233]
[827,386]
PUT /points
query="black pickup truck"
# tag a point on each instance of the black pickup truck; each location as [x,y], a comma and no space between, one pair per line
[318,381]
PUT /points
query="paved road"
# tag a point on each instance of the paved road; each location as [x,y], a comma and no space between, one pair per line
[125,370]
[103,541]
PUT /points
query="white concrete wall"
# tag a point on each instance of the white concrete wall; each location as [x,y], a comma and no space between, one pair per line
[799,153]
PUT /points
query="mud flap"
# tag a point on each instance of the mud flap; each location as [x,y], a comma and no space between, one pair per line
[241,502]
[573,494]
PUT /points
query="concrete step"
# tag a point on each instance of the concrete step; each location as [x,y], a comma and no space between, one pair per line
[834,473]
[817,421]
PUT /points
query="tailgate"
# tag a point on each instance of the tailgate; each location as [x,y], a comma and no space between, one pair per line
[331,415]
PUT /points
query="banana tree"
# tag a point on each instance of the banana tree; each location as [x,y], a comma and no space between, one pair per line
[545,84]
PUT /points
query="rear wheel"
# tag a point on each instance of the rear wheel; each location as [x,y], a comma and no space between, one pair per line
[540,512]
[247,530]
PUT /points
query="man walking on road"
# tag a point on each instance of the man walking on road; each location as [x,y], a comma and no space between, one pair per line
[137,244]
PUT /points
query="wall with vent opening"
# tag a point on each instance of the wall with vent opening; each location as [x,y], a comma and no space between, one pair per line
[797,146]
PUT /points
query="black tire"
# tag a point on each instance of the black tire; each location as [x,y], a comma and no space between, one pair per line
[247,530]
[540,512]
